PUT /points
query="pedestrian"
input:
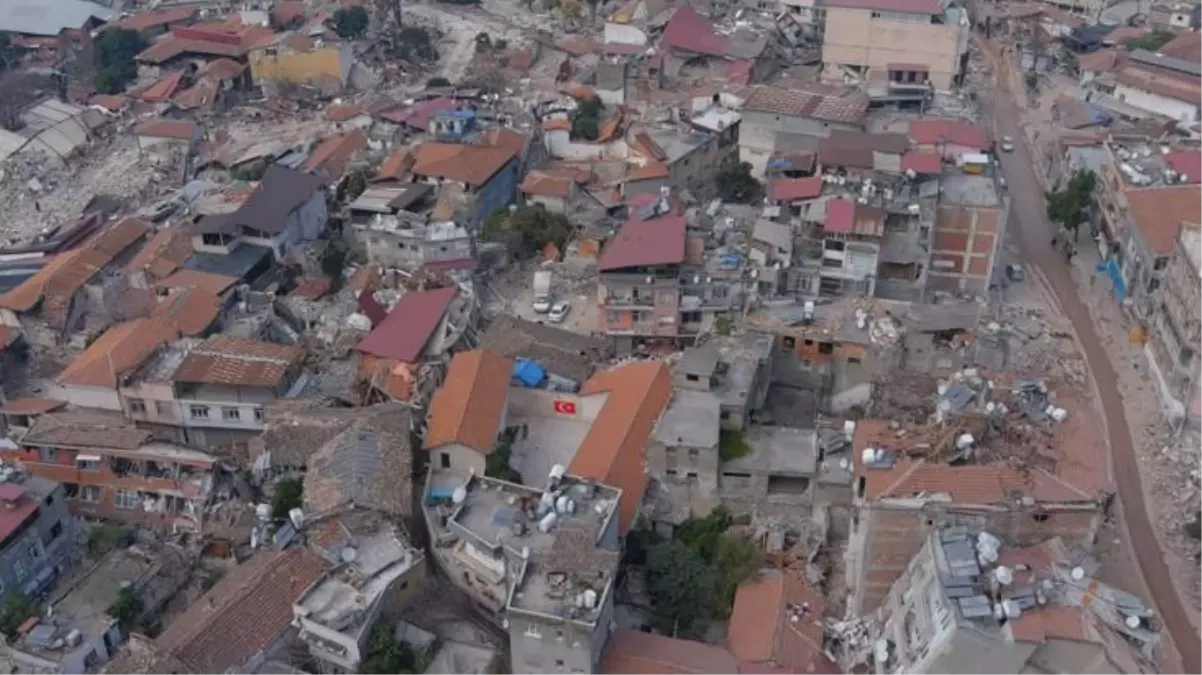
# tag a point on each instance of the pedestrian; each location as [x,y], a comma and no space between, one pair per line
[37,206]
[1055,241]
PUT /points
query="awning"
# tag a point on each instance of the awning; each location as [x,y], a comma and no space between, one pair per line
[88,458]
[918,67]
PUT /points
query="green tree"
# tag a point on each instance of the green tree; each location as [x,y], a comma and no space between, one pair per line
[415,43]
[732,445]
[113,56]
[17,608]
[736,560]
[736,184]
[497,464]
[438,81]
[1152,41]
[1069,205]
[333,262]
[386,654]
[702,534]
[349,22]
[528,229]
[682,588]
[724,325]
[354,185]
[104,538]
[585,127]
[289,494]
[591,106]
[127,607]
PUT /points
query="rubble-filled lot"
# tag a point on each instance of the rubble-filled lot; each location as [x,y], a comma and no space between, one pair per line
[38,195]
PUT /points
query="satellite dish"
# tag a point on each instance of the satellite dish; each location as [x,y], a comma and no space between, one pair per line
[1078,574]
[1132,621]
[459,494]
[349,554]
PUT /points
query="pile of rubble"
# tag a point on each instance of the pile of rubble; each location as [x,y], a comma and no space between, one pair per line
[38,195]
[1038,346]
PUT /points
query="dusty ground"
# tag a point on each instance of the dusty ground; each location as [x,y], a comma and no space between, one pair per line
[573,281]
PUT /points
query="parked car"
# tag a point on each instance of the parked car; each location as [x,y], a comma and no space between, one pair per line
[559,312]
[1007,144]
[1015,272]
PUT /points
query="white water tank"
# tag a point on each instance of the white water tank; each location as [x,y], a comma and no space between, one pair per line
[548,522]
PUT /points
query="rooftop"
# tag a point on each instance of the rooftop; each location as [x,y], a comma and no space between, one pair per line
[690,420]
[556,533]
[560,351]
[369,464]
[897,6]
[633,651]
[229,360]
[281,192]
[343,598]
[469,406]
[245,613]
[952,132]
[403,334]
[1159,212]
[117,353]
[85,430]
[1144,163]
[777,620]
[847,105]
[50,18]
[646,240]
[470,164]
[22,495]
[392,198]
[778,450]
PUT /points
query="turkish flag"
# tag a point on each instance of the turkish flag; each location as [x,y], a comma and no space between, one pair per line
[565,407]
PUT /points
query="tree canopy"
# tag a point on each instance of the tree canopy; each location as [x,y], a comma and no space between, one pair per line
[289,494]
[586,123]
[528,229]
[1151,41]
[113,55]
[386,654]
[682,586]
[416,44]
[1069,204]
[349,22]
[16,609]
[736,184]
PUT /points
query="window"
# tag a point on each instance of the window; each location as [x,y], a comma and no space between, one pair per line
[49,501]
[692,378]
[48,454]
[1153,284]
[162,409]
[724,415]
[1040,517]
[258,414]
[56,531]
[826,348]
[559,663]
[671,472]
[231,414]
[534,632]
[35,551]
[136,406]
[853,360]
[199,412]
[89,493]
[444,459]
[835,245]
[693,454]
[559,636]
[789,342]
[86,463]
[127,499]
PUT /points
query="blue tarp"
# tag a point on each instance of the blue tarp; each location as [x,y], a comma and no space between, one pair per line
[528,373]
[1111,269]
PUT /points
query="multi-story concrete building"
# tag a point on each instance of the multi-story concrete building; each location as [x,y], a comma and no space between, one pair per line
[813,111]
[209,393]
[900,497]
[968,603]
[374,570]
[395,241]
[1175,338]
[970,224]
[895,43]
[650,291]
[111,469]
[35,532]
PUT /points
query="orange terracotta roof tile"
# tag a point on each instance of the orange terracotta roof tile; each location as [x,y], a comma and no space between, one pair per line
[118,351]
[764,631]
[166,252]
[649,171]
[507,139]
[613,449]
[471,164]
[216,284]
[225,359]
[343,112]
[26,295]
[31,406]
[468,407]
[192,310]
[396,165]
[1159,212]
[249,610]
[633,652]
[540,184]
[334,154]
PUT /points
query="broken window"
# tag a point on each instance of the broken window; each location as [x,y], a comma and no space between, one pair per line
[126,500]
[826,348]
[787,485]
[136,406]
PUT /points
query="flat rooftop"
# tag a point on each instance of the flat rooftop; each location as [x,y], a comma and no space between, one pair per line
[961,189]
[1145,163]
[778,450]
[548,442]
[375,559]
[691,420]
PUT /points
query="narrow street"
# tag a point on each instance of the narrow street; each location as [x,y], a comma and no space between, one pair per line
[1033,232]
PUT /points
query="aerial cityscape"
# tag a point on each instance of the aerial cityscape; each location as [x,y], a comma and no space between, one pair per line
[570,336]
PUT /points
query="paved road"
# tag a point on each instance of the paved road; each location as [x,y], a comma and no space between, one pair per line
[1028,221]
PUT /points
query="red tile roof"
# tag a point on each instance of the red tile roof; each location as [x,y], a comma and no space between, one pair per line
[1186,46]
[418,115]
[162,17]
[633,652]
[117,352]
[763,629]
[688,31]
[23,507]
[164,128]
[230,360]
[840,216]
[645,243]
[471,164]
[163,88]
[1187,163]
[1159,212]
[922,163]
[30,406]
[930,132]
[245,613]
[467,409]
[343,112]
[793,189]
[403,334]
[613,449]
[333,154]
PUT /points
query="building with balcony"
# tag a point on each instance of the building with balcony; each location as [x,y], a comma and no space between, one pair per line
[970,223]
[895,43]
[545,560]
[210,393]
[650,290]
[1175,335]
[373,570]
[111,469]
[35,531]
[411,243]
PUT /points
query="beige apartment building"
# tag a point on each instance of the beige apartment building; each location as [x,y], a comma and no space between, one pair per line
[894,43]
